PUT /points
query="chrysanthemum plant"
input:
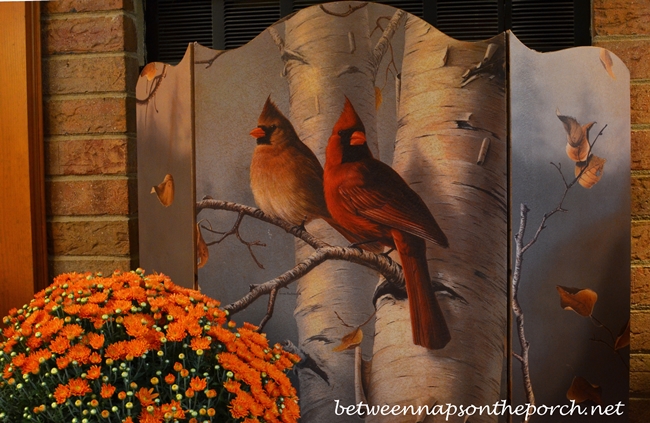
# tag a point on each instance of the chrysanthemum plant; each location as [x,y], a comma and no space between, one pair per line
[136,348]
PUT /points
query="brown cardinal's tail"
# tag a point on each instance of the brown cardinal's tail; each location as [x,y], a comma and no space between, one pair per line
[427,321]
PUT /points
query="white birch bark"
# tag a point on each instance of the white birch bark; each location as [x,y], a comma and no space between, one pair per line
[328,54]
[443,120]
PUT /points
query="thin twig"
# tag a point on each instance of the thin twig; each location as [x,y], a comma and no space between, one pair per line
[209,62]
[351,10]
[157,80]
[269,308]
[235,231]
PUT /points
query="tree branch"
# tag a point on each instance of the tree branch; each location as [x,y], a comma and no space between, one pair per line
[384,41]
[285,54]
[157,80]
[323,252]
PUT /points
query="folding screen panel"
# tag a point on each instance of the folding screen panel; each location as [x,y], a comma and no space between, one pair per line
[342,181]
[570,193]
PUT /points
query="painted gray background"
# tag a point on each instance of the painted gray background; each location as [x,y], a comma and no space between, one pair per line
[587,247]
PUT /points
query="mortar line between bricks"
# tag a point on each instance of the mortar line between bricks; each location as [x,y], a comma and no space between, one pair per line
[91,55]
[602,38]
[90,218]
[640,126]
[86,14]
[84,96]
[640,81]
[89,137]
[88,258]
[639,307]
[640,172]
[90,178]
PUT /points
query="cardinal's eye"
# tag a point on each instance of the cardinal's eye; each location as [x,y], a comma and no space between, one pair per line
[341,133]
[273,126]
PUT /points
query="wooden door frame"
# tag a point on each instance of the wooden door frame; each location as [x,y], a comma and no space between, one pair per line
[23,245]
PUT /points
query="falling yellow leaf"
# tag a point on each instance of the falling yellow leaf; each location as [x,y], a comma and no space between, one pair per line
[623,339]
[593,172]
[608,63]
[165,191]
[202,252]
[581,301]
[581,390]
[350,340]
[577,137]
[378,98]
[149,71]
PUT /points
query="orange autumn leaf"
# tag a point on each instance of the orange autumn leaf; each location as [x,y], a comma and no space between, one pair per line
[592,173]
[378,98]
[165,191]
[149,71]
[202,252]
[577,147]
[581,301]
[623,339]
[607,62]
[350,340]
[581,390]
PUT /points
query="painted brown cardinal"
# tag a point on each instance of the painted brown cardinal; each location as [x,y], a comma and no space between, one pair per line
[370,199]
[286,177]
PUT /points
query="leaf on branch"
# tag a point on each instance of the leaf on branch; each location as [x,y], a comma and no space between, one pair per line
[378,98]
[165,191]
[581,301]
[577,137]
[202,252]
[607,62]
[591,171]
[581,390]
[149,71]
[350,341]
[623,339]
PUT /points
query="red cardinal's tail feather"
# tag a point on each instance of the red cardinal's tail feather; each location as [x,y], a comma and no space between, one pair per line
[427,321]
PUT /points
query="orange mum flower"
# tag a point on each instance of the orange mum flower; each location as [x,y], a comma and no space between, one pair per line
[94,372]
[61,394]
[79,353]
[146,396]
[71,331]
[79,387]
[170,378]
[136,347]
[107,390]
[198,384]
[200,343]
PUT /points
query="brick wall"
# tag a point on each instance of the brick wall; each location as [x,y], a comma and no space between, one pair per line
[90,69]
[623,27]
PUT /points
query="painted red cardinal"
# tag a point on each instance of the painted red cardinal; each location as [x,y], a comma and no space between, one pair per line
[286,177]
[370,199]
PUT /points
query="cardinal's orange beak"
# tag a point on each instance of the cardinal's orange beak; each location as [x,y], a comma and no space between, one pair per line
[358,138]
[258,133]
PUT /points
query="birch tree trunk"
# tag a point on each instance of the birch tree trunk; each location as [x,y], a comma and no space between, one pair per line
[328,54]
[447,107]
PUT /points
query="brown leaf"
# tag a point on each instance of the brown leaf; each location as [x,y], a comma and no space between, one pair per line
[608,63]
[581,301]
[577,137]
[592,173]
[149,71]
[202,252]
[378,98]
[350,340]
[581,390]
[623,339]
[165,191]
